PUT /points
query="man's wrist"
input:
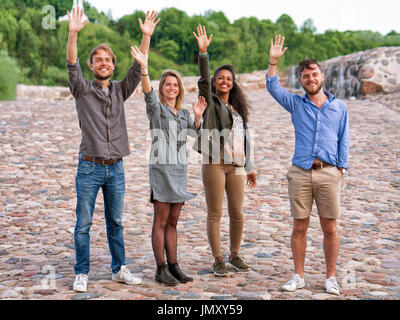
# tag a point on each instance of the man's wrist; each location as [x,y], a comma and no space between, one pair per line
[203,52]
[273,63]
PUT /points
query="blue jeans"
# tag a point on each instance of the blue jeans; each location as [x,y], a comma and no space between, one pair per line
[89,179]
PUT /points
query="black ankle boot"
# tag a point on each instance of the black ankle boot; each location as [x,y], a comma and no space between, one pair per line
[177,273]
[164,276]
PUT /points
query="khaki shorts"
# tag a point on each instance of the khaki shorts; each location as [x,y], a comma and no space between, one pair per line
[323,185]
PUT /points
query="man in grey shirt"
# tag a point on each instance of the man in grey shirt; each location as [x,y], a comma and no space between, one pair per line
[101,115]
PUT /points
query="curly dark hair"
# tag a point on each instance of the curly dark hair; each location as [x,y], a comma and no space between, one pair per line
[237,98]
[306,64]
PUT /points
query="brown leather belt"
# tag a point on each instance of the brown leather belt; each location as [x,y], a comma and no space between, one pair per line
[320,165]
[102,161]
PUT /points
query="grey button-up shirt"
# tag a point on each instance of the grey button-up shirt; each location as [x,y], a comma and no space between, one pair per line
[101,115]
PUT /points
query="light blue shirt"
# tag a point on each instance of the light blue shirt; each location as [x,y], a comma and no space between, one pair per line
[321,133]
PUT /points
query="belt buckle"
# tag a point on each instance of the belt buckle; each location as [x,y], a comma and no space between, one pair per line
[112,161]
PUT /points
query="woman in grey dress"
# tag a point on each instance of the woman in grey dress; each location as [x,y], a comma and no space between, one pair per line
[169,125]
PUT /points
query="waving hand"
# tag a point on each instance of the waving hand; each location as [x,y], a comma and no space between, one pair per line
[149,23]
[75,20]
[202,39]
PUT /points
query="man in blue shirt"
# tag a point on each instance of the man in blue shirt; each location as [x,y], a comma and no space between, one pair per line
[320,160]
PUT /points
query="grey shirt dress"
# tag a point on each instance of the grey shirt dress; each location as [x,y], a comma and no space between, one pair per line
[168,154]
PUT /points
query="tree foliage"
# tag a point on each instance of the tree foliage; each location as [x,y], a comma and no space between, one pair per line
[8,76]
[40,53]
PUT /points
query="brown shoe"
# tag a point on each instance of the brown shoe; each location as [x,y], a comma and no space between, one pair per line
[164,276]
[220,269]
[178,273]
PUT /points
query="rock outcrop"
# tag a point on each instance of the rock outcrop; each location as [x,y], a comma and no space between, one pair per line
[359,74]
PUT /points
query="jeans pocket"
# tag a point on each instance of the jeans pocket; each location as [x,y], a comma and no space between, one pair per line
[85,167]
[119,167]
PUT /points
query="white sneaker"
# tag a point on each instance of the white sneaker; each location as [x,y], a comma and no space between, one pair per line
[293,284]
[331,286]
[80,283]
[125,276]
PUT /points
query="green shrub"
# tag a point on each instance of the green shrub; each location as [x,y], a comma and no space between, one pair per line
[56,77]
[8,77]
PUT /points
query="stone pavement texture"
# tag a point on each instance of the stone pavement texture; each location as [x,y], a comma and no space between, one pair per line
[40,141]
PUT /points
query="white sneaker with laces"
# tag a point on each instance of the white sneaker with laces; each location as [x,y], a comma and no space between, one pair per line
[293,284]
[331,286]
[125,276]
[80,283]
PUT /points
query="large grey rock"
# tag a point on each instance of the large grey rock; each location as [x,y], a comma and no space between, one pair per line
[359,74]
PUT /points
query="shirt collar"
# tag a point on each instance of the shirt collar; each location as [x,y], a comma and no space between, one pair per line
[331,97]
[98,85]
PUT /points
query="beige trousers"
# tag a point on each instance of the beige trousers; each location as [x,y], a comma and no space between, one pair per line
[218,178]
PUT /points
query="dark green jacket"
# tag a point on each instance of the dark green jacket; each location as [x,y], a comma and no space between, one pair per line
[218,119]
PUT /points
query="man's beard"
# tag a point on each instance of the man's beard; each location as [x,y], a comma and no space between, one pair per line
[315,91]
[102,78]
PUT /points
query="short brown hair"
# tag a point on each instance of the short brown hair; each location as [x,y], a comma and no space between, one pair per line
[306,64]
[105,47]
[179,98]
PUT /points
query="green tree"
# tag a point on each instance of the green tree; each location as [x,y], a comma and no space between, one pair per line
[8,76]
[169,49]
[308,27]
[9,31]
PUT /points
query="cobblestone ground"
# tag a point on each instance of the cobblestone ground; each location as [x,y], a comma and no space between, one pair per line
[39,149]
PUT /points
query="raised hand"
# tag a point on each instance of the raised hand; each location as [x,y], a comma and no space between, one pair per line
[149,23]
[202,39]
[139,56]
[199,107]
[276,50]
[75,20]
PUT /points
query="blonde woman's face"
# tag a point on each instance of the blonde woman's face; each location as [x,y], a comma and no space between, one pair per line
[170,88]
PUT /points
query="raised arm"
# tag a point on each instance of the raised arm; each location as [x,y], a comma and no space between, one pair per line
[285,98]
[152,102]
[75,25]
[204,83]
[142,59]
[275,53]
[132,78]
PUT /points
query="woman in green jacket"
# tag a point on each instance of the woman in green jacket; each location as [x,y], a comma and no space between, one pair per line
[225,145]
